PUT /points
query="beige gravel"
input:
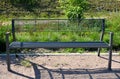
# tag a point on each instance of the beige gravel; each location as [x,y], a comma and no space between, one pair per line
[62,67]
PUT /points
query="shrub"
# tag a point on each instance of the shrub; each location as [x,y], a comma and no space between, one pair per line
[74,8]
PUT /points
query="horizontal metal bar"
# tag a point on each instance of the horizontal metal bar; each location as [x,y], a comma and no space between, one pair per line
[59,45]
[63,19]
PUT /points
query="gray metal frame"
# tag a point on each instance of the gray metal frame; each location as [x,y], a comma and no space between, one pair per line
[102,35]
[93,44]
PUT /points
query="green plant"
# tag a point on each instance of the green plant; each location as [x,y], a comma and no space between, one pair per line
[74,50]
[25,63]
[68,50]
[74,8]
[103,50]
[79,50]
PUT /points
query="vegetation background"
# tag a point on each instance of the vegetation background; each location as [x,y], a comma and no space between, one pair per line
[108,9]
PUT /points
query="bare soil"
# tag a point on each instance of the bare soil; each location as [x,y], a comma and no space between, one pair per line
[61,67]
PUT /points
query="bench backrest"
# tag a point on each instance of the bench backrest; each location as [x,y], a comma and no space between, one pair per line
[57,25]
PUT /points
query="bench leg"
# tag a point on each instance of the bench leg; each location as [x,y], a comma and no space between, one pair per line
[110,59]
[8,60]
[99,49]
[110,51]
[8,52]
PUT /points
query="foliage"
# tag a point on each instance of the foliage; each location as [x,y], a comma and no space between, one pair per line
[74,50]
[74,8]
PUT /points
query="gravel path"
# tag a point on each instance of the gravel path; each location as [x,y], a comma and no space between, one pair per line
[61,67]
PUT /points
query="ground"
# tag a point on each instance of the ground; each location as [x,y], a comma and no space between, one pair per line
[61,67]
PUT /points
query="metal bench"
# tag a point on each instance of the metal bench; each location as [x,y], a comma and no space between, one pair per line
[99,44]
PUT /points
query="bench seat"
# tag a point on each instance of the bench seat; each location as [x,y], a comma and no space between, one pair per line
[58,45]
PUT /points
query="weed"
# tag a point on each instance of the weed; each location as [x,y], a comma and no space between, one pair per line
[25,63]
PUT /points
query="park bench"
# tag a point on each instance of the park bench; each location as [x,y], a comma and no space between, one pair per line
[59,26]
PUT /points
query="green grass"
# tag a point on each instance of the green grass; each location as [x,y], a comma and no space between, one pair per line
[58,37]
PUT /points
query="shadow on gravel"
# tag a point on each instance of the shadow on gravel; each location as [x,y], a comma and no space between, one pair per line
[2,58]
[107,59]
[41,72]
[20,74]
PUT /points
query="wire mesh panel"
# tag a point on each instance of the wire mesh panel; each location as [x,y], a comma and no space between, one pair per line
[57,29]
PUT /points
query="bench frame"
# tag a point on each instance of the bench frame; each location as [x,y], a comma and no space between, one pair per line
[98,45]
